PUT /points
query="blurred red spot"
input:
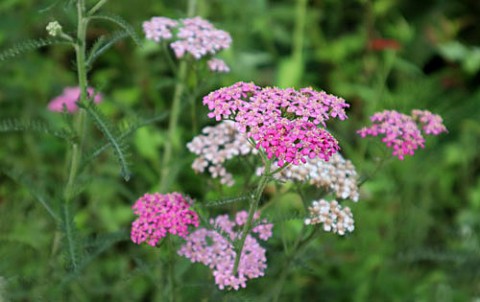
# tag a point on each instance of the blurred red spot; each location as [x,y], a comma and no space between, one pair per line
[383,44]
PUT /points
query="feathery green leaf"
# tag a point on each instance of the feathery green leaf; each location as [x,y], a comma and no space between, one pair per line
[103,44]
[110,133]
[226,201]
[16,125]
[26,46]
[122,23]
[71,242]
[125,133]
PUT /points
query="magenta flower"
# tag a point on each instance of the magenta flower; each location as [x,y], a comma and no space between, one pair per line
[284,122]
[212,249]
[160,214]
[69,99]
[401,132]
[195,36]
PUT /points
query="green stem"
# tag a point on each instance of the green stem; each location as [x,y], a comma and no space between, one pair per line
[80,50]
[172,144]
[171,268]
[251,212]
[97,6]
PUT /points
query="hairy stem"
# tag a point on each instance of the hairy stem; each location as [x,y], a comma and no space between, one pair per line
[97,6]
[251,212]
[172,143]
[80,49]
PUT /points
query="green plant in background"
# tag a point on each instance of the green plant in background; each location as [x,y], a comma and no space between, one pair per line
[79,108]
[414,235]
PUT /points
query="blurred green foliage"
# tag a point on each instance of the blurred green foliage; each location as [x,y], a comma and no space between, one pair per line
[417,234]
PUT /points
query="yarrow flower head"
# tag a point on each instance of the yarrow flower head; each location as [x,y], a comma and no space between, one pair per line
[214,249]
[194,36]
[333,217]
[337,175]
[160,214]
[69,99]
[54,28]
[283,122]
[401,132]
[217,145]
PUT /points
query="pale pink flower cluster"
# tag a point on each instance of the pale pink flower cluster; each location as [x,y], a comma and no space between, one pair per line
[159,28]
[211,248]
[218,65]
[195,36]
[338,175]
[401,132]
[160,214]
[69,99]
[217,145]
[333,217]
[284,122]
[432,124]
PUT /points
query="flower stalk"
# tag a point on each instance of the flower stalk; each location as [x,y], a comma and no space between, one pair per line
[80,51]
[251,213]
[173,143]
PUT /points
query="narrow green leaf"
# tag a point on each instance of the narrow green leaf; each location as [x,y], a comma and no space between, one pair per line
[103,44]
[16,125]
[122,23]
[70,238]
[26,46]
[110,133]
[127,132]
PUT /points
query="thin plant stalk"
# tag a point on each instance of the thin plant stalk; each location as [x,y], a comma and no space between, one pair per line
[251,213]
[80,50]
[172,144]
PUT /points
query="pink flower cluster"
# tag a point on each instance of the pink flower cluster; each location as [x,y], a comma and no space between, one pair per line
[195,36]
[333,217]
[160,214]
[69,99]
[284,122]
[211,248]
[432,124]
[401,131]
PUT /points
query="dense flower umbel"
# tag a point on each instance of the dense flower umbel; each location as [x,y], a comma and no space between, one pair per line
[217,145]
[284,122]
[401,131]
[195,36]
[333,217]
[337,175]
[69,99]
[160,214]
[215,250]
